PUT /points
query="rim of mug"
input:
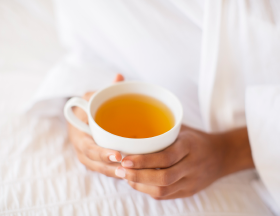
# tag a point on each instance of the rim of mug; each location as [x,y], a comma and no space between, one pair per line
[137,82]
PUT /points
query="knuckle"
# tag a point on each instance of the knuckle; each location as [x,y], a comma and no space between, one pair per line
[86,152]
[82,147]
[156,198]
[169,159]
[76,146]
[139,161]
[160,192]
[164,178]
[75,110]
[80,113]
[81,159]
[192,192]
[100,155]
[76,142]
[191,189]
[87,95]
[133,185]
[133,176]
[103,156]
[104,170]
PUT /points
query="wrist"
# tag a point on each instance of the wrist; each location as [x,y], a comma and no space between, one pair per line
[237,151]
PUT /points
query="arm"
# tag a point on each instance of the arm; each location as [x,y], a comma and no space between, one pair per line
[238,151]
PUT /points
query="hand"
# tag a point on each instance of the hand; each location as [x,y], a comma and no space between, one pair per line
[192,163]
[91,155]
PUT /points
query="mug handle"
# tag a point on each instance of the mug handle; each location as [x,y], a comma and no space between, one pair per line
[70,116]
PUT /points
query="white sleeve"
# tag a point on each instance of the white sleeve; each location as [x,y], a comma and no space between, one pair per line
[263,122]
[70,77]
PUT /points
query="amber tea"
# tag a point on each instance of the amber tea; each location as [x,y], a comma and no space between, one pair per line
[134,116]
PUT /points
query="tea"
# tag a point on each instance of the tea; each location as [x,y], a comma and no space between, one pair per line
[134,116]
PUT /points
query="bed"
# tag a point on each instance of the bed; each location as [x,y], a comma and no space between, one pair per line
[39,171]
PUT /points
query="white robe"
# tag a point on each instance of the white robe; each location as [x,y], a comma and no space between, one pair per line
[221,58]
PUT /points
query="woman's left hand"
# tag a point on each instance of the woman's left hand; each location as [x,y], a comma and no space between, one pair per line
[193,162]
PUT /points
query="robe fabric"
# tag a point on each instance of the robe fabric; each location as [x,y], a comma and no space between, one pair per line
[220,58]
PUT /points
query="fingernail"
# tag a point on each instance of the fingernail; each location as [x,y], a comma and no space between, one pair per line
[113,158]
[120,172]
[127,163]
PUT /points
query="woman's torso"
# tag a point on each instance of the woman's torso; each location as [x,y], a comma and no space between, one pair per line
[160,41]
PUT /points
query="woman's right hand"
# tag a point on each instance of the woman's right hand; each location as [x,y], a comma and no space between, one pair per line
[88,152]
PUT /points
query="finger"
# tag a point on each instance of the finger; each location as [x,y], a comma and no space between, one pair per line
[157,191]
[88,147]
[88,95]
[178,194]
[164,159]
[106,169]
[119,78]
[80,113]
[157,177]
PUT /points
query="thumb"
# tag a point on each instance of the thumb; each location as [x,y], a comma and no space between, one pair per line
[119,78]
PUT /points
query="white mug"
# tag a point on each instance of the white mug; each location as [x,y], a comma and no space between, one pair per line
[126,145]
